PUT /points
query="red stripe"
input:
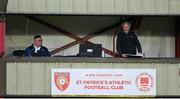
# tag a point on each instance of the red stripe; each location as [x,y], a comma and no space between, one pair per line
[2,36]
[177,37]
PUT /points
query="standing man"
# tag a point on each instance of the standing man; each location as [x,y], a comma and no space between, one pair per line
[127,41]
[36,49]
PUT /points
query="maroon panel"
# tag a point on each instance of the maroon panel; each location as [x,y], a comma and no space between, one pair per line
[2,38]
[177,36]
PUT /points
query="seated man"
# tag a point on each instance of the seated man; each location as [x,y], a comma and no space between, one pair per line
[36,49]
[127,41]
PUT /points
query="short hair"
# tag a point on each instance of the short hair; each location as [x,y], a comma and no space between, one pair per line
[37,36]
[126,22]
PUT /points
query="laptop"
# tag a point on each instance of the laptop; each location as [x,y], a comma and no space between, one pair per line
[90,50]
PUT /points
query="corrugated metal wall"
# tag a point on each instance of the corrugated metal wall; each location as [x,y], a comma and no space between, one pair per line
[33,78]
[95,6]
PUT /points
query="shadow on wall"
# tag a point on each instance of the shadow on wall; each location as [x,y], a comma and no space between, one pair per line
[79,25]
[2,78]
[83,25]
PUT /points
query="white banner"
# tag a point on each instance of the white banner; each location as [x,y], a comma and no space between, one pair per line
[103,82]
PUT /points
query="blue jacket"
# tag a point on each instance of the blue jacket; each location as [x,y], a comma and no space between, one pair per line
[30,51]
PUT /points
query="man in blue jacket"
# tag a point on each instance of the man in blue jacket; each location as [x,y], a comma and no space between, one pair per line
[36,49]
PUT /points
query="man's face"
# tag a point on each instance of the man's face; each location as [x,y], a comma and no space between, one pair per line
[126,27]
[38,42]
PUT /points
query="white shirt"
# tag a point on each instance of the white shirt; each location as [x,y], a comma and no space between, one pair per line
[37,49]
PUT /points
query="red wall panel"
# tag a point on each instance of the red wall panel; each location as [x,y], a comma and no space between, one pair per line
[2,37]
[177,36]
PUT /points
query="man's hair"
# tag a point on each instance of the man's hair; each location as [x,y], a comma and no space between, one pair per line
[126,22]
[37,36]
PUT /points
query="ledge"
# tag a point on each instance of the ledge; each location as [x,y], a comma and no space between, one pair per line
[90,60]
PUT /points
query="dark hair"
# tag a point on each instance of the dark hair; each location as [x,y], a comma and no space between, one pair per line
[37,36]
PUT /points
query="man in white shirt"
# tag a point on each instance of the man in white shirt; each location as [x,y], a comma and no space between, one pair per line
[36,49]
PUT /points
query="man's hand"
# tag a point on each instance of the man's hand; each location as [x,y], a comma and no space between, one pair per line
[123,55]
[139,54]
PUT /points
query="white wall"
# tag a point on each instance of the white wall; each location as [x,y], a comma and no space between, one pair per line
[156,34]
